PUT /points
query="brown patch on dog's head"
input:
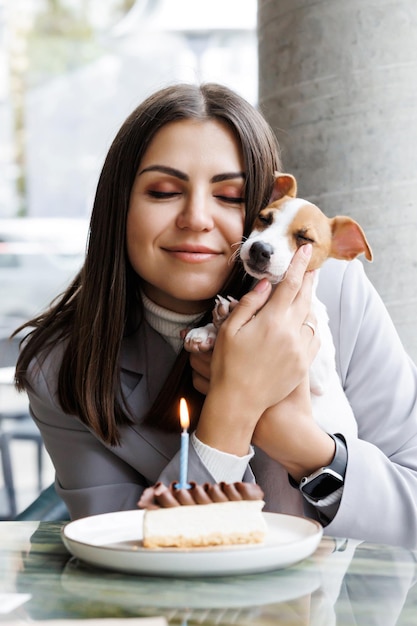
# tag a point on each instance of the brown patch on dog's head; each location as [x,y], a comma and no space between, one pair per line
[265,218]
[285,187]
[310,225]
[338,237]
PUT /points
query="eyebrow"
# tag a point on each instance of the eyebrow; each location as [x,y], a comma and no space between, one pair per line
[171,171]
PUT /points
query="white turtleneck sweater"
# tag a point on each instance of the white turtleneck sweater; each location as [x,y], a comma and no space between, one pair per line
[223,466]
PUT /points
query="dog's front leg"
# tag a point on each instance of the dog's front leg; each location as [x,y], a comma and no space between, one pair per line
[200,339]
[222,309]
[203,338]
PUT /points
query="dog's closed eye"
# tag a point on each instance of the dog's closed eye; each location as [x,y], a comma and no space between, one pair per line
[265,218]
[302,237]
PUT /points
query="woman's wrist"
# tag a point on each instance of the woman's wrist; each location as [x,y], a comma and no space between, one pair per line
[308,453]
[226,424]
[298,444]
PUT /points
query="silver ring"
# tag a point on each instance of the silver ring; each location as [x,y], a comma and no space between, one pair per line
[310,325]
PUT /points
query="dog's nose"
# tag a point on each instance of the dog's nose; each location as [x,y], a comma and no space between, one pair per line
[260,253]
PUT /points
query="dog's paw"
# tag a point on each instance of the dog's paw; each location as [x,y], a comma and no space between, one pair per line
[222,309]
[200,339]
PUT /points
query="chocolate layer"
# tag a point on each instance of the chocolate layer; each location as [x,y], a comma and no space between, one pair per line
[161,496]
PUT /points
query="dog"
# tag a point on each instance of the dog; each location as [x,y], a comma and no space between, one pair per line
[287,223]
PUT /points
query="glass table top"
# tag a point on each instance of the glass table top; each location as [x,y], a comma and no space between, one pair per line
[343,583]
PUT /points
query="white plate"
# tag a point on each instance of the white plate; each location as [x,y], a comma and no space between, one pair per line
[114,541]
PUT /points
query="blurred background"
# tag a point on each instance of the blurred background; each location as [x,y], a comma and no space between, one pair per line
[70,73]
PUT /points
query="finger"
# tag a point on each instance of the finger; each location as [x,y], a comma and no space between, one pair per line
[200,363]
[311,325]
[249,305]
[311,340]
[297,278]
[304,296]
[299,263]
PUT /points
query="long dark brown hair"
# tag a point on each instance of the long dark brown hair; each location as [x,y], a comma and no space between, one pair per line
[102,304]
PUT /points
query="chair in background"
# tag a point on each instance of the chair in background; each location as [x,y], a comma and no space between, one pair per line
[15,424]
[48,507]
[17,427]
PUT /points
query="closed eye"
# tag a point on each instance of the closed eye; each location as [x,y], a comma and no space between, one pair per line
[302,238]
[230,199]
[265,218]
[161,195]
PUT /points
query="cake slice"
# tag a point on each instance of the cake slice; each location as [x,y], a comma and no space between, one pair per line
[204,515]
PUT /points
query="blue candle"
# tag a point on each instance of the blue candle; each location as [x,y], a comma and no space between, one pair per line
[185,422]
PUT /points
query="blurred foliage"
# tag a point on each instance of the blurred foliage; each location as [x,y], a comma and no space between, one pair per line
[63,36]
[60,37]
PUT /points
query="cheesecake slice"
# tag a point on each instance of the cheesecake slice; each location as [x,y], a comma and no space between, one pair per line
[204,515]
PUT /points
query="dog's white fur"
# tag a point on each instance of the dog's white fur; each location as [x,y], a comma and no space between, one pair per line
[285,224]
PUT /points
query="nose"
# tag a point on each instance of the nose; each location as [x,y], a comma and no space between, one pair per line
[196,213]
[260,254]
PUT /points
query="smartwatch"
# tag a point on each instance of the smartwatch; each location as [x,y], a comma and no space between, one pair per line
[329,479]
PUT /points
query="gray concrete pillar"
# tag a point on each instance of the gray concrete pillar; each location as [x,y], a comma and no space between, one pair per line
[338,83]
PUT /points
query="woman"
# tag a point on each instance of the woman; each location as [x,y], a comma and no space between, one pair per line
[182,183]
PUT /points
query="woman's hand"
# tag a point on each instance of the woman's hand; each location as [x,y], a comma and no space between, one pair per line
[288,434]
[262,353]
[201,365]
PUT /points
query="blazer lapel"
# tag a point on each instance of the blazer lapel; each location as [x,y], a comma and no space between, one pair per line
[146,360]
[145,357]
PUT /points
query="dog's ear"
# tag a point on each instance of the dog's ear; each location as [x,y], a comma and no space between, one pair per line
[284,185]
[348,239]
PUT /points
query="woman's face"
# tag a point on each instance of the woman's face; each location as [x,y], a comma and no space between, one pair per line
[186,213]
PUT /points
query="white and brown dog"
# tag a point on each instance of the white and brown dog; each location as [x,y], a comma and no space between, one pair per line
[281,228]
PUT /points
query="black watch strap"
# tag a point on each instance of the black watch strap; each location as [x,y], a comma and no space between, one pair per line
[339,461]
[335,470]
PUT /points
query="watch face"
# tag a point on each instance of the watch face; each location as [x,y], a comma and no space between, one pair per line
[322,486]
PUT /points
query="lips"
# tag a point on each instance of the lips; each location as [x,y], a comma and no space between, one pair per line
[191,253]
[193,249]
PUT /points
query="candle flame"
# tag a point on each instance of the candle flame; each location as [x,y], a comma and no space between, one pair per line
[184,416]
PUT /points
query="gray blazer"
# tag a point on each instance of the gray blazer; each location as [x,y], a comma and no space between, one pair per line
[378,377]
